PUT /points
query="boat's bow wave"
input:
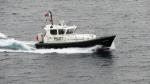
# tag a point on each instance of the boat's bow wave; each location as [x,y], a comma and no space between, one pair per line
[12,45]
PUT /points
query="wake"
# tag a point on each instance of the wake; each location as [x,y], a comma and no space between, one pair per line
[13,45]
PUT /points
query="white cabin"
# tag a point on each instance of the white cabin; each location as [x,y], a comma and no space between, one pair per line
[63,33]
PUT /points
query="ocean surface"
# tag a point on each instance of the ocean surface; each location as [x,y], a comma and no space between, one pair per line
[128,63]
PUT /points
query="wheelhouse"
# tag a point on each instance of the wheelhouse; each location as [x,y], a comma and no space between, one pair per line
[61,31]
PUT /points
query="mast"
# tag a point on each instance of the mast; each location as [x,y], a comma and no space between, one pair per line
[51,17]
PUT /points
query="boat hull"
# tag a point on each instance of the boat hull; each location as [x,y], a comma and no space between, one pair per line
[105,42]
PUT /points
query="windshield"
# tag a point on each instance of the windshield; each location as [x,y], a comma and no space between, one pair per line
[69,31]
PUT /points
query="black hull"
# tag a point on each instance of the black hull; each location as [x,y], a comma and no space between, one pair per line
[105,42]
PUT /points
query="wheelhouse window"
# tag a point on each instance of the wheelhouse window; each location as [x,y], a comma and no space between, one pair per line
[61,31]
[69,31]
[53,32]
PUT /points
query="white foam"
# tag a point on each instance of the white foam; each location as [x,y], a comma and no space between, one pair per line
[14,44]
[3,35]
[63,50]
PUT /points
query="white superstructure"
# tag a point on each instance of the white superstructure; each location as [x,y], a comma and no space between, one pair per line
[62,33]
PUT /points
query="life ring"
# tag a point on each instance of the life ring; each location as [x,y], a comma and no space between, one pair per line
[39,37]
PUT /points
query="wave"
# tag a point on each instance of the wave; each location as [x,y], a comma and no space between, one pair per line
[44,51]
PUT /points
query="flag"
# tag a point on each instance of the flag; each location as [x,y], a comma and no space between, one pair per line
[48,14]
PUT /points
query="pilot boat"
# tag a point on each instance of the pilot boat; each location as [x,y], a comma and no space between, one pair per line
[63,36]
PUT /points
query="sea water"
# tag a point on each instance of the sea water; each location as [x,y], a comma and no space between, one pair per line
[21,63]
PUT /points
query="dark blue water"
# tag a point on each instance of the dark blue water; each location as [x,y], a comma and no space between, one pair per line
[128,64]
